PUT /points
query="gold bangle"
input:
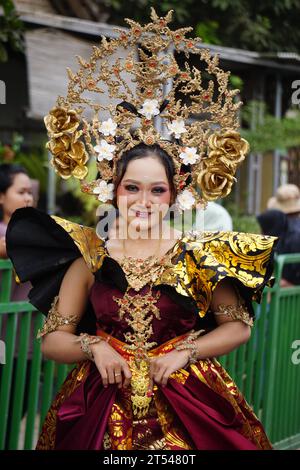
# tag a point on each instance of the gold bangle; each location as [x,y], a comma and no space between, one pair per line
[85,342]
[189,343]
[55,319]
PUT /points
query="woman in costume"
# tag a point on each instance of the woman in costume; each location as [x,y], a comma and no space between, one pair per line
[145,311]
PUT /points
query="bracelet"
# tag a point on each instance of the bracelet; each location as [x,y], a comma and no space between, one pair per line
[55,319]
[189,343]
[85,342]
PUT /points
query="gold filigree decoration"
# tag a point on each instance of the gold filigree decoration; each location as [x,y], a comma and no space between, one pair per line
[140,272]
[138,311]
[235,312]
[206,152]
[56,319]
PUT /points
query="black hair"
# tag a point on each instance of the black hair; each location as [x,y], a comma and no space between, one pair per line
[8,171]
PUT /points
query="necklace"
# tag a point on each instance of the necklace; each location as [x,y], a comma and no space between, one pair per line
[142,271]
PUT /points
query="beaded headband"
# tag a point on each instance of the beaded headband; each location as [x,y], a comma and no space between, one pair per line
[155,96]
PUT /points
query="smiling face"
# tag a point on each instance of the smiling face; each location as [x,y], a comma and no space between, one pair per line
[144,194]
[18,195]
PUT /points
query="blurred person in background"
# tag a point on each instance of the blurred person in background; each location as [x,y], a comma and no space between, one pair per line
[276,223]
[16,191]
[287,200]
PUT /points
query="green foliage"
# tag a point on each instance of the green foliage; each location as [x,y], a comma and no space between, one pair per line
[208,32]
[245,223]
[88,203]
[271,133]
[240,221]
[140,9]
[266,25]
[11,29]
[236,82]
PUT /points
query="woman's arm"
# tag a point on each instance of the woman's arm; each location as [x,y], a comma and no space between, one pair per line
[60,345]
[229,334]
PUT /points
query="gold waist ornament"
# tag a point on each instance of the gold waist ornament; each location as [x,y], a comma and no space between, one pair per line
[138,310]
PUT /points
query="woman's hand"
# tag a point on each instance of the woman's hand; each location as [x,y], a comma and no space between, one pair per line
[163,366]
[111,365]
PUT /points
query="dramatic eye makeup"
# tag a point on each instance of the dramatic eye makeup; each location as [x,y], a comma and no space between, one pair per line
[156,188]
[132,188]
[159,190]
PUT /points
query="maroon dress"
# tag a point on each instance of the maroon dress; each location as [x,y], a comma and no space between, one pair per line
[200,408]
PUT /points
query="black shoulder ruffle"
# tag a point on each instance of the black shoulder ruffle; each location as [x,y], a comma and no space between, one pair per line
[42,248]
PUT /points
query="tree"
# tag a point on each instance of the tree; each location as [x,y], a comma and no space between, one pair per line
[11,28]
[265,25]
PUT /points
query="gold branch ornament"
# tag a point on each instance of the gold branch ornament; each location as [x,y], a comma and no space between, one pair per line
[198,112]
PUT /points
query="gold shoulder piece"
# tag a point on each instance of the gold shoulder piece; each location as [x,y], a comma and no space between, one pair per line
[55,319]
[87,241]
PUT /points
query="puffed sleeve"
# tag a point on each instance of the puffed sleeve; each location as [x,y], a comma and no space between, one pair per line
[246,259]
[42,247]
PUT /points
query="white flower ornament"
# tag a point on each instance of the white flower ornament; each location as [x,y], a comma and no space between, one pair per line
[105,191]
[150,108]
[189,155]
[176,127]
[108,127]
[105,150]
[185,200]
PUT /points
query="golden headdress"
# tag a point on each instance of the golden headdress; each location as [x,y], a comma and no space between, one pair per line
[148,84]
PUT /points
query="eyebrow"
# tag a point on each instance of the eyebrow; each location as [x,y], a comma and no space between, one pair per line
[138,182]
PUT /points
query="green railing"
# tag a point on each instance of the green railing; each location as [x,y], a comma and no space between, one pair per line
[263,368]
[23,373]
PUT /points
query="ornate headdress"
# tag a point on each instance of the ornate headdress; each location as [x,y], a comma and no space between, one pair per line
[149,87]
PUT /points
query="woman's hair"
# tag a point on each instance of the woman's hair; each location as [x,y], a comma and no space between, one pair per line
[275,223]
[142,151]
[8,171]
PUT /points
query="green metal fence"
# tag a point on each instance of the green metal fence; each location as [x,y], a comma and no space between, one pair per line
[27,383]
[263,368]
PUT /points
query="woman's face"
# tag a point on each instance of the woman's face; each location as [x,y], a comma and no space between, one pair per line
[18,195]
[144,193]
